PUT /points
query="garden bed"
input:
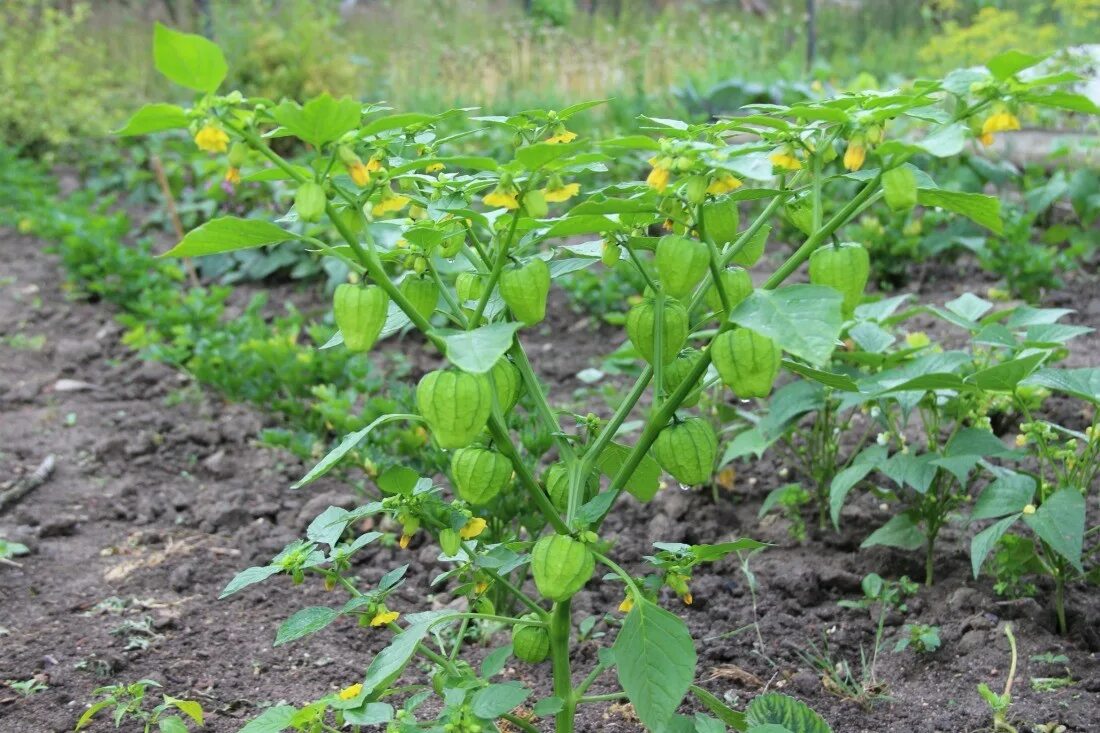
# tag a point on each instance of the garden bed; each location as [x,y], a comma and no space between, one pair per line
[160,496]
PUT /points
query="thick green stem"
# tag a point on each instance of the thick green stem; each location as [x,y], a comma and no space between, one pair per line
[561,627]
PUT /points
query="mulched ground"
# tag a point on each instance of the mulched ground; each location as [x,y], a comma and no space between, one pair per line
[160,495]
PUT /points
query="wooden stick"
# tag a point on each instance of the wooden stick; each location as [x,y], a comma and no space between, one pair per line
[173,213]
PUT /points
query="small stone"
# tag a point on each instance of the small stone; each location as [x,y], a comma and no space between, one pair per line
[60,526]
[219,465]
[181,576]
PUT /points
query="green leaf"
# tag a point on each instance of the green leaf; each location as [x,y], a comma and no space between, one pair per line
[172,724]
[979,208]
[733,718]
[495,700]
[644,483]
[388,663]
[841,382]
[969,306]
[272,720]
[1060,522]
[533,157]
[976,442]
[327,527]
[866,462]
[1065,100]
[583,224]
[655,659]
[227,234]
[1006,64]
[803,319]
[190,708]
[393,122]
[548,706]
[916,472]
[782,710]
[899,532]
[349,442]
[984,542]
[154,118]
[1083,383]
[248,577]
[307,621]
[90,713]
[188,59]
[1005,377]
[321,120]
[1008,494]
[369,713]
[479,350]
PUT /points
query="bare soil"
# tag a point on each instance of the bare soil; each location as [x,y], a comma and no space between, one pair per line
[161,495]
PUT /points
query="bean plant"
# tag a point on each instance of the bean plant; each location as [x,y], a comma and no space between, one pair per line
[464,248]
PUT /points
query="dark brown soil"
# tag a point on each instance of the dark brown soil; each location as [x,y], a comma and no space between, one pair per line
[161,495]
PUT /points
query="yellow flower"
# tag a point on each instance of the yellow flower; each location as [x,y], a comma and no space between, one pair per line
[667,225]
[434,168]
[1021,440]
[561,193]
[233,175]
[472,528]
[724,183]
[501,199]
[784,159]
[389,203]
[360,171]
[561,135]
[212,139]
[404,541]
[384,617]
[350,691]
[986,138]
[1002,121]
[627,604]
[658,177]
[480,587]
[688,598]
[854,156]
[1029,509]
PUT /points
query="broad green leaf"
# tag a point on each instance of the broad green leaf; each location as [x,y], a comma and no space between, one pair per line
[321,120]
[871,337]
[752,441]
[154,118]
[782,710]
[533,157]
[1083,383]
[349,442]
[984,542]
[277,174]
[969,306]
[248,577]
[1007,494]
[841,382]
[655,659]
[479,350]
[548,706]
[272,720]
[393,122]
[976,442]
[398,479]
[1060,522]
[733,718]
[1065,100]
[328,526]
[583,224]
[188,59]
[1005,377]
[227,234]
[646,479]
[307,621]
[190,708]
[714,553]
[172,724]
[803,319]
[979,208]
[369,713]
[388,663]
[866,462]
[914,471]
[495,700]
[1009,63]
[1054,334]
[495,661]
[946,142]
[899,532]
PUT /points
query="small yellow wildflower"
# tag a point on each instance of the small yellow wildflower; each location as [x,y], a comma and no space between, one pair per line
[917,339]
[384,617]
[472,528]
[658,177]
[667,225]
[627,604]
[1029,509]
[434,168]
[783,158]
[212,139]
[360,171]
[500,198]
[1003,121]
[350,692]
[480,587]
[1021,440]
[854,156]
[688,598]
[561,135]
[403,543]
[561,193]
[724,183]
[389,203]
[233,175]
[986,138]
